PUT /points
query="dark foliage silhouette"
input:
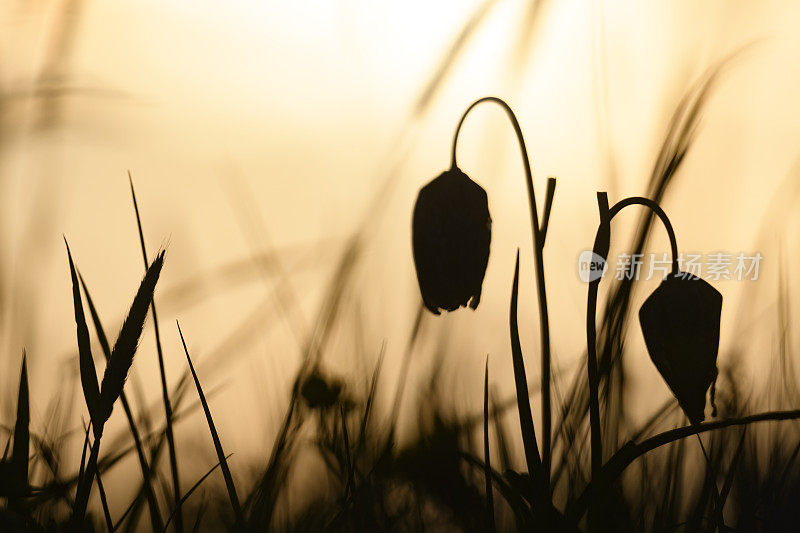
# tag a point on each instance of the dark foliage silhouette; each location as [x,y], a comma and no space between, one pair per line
[595,472]
[100,400]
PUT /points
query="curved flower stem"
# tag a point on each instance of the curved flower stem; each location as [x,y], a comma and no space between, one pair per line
[601,246]
[539,234]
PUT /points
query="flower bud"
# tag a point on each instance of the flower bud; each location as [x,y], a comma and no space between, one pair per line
[680,322]
[451,231]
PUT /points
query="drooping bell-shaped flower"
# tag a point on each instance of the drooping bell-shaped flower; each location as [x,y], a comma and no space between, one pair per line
[451,232]
[680,322]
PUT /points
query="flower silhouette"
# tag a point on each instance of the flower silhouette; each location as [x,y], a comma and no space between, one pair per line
[451,231]
[680,323]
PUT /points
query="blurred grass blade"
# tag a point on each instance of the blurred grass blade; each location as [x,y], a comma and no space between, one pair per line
[370,397]
[523,403]
[198,520]
[126,513]
[128,340]
[727,485]
[457,46]
[351,478]
[226,472]
[487,461]
[91,391]
[500,436]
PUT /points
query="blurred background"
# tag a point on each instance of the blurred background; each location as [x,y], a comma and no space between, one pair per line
[264,137]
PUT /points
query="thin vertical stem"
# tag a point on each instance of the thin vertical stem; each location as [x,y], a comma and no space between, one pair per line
[601,245]
[538,247]
[487,460]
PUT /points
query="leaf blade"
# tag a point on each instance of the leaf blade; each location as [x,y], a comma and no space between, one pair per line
[223,462]
[523,403]
[91,391]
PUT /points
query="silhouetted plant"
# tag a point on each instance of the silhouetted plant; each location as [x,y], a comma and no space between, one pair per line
[451,233]
[680,323]
[100,400]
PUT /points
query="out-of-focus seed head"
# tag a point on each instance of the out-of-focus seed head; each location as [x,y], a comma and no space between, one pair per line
[680,322]
[451,231]
[320,393]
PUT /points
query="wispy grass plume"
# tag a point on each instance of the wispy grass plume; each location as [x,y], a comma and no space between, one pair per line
[128,339]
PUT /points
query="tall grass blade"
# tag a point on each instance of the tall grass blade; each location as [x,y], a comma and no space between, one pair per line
[104,503]
[91,391]
[226,472]
[173,459]
[19,453]
[523,402]
[14,470]
[82,470]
